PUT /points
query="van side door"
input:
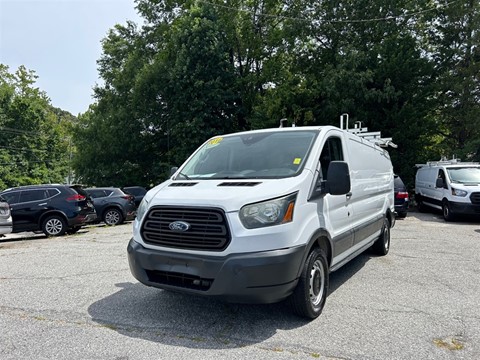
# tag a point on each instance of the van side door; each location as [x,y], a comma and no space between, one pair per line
[335,211]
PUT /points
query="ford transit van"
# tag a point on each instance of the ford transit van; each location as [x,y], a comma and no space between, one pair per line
[261,216]
[451,186]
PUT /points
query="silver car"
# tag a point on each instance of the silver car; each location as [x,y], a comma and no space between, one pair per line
[5,217]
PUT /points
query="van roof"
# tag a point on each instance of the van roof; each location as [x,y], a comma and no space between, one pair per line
[448,163]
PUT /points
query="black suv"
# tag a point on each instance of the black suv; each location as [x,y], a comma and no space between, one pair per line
[52,208]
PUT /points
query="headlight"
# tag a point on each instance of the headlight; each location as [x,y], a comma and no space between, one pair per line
[268,213]
[458,192]
[142,209]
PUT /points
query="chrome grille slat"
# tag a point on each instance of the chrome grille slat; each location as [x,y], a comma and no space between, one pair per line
[208,228]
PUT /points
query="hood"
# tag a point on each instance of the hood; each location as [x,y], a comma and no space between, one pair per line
[228,194]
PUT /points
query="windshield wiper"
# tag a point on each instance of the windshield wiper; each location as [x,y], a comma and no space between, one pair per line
[185,176]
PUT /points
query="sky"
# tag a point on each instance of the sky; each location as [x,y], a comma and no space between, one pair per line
[61,41]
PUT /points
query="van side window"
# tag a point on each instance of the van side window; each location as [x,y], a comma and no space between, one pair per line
[332,151]
[441,175]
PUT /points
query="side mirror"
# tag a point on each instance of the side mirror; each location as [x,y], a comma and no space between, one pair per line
[337,183]
[338,178]
[439,183]
[173,170]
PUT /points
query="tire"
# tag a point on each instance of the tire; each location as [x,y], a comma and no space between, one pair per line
[402,215]
[308,298]
[382,245]
[54,226]
[447,212]
[112,217]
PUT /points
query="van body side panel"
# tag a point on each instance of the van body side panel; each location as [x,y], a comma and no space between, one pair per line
[371,176]
[425,187]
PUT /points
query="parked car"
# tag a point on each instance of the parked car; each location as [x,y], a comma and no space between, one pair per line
[401,197]
[113,206]
[137,191]
[5,217]
[54,209]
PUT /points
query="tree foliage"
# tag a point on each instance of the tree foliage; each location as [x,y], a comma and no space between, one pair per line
[195,69]
[34,146]
[454,38]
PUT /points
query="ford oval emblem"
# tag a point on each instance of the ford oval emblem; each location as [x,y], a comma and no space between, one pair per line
[179,226]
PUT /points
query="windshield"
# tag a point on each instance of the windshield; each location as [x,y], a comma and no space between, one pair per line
[274,154]
[464,175]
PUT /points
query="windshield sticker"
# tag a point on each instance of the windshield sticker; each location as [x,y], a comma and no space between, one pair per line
[297,161]
[214,142]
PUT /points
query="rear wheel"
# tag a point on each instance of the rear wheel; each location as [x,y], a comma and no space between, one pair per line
[113,217]
[308,298]
[382,245]
[447,212]
[54,226]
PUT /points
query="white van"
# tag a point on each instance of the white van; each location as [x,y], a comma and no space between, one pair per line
[451,186]
[260,216]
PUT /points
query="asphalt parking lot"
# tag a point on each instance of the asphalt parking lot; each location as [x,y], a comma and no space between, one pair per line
[73,297]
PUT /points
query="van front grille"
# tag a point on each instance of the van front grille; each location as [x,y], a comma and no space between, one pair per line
[186,228]
[475,198]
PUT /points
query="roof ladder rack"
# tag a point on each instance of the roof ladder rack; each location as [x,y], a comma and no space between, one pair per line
[374,137]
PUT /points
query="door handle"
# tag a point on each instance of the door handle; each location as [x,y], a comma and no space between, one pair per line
[349,194]
[42,204]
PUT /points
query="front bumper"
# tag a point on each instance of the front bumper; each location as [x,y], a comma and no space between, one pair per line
[261,277]
[464,208]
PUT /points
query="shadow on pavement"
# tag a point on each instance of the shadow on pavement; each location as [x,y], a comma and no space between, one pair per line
[162,316]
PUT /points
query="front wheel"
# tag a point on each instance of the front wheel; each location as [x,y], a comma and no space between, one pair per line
[382,245]
[54,226]
[447,212]
[308,298]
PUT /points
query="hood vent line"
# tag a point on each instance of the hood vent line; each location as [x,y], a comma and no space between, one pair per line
[239,183]
[183,184]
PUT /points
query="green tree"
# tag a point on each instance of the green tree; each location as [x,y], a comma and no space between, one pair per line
[199,83]
[363,58]
[455,45]
[196,68]
[33,144]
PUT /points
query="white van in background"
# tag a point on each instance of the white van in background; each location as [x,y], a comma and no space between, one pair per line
[260,216]
[451,186]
